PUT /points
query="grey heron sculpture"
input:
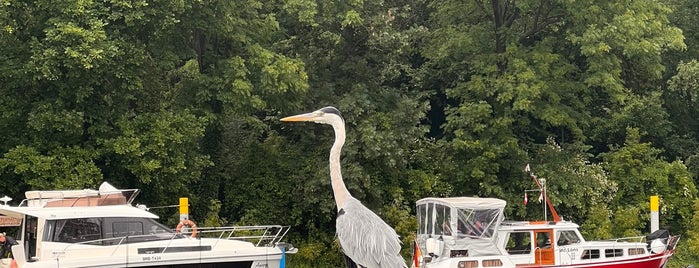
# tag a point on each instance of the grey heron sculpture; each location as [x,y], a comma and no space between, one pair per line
[364,237]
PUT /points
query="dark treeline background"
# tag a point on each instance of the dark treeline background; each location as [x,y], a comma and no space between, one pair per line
[441,98]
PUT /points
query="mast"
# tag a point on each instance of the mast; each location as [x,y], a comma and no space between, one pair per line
[541,183]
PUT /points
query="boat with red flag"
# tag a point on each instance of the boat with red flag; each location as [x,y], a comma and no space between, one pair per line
[471,232]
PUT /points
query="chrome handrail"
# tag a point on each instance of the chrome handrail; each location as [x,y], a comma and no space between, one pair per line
[634,239]
[259,235]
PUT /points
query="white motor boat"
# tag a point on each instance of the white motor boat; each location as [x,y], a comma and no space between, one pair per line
[101,228]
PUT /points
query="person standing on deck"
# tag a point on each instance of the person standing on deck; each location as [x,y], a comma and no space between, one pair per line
[6,243]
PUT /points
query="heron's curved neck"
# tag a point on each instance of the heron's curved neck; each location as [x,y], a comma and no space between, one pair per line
[339,189]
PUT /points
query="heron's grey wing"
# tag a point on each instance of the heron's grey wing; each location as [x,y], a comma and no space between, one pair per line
[349,263]
[366,238]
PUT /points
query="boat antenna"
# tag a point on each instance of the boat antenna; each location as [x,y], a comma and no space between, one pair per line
[541,183]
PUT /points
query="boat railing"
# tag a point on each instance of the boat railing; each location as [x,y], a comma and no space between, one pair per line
[261,235]
[631,239]
[672,241]
[78,198]
[515,223]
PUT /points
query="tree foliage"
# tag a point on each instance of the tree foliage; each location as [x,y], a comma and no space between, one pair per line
[441,98]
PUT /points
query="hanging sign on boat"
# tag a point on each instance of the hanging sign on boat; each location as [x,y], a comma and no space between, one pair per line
[9,221]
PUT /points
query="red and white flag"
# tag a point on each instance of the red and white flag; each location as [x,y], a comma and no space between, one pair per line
[417,255]
[525,199]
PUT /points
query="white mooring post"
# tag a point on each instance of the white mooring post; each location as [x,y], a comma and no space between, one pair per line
[654,214]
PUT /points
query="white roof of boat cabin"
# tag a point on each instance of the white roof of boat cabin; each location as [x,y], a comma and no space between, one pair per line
[54,213]
[61,194]
[466,202]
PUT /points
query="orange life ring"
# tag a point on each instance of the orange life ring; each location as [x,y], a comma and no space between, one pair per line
[189,223]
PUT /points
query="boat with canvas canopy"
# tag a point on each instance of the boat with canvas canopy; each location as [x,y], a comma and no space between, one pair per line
[471,232]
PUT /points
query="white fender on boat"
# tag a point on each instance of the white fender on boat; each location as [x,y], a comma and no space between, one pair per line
[434,246]
[657,246]
[440,246]
[430,245]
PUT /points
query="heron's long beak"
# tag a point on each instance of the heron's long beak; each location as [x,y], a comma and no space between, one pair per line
[300,117]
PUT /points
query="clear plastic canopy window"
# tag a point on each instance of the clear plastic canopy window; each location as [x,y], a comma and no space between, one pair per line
[437,219]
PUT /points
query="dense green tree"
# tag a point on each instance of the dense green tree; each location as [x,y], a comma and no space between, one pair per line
[87,95]
[687,249]
[640,172]
[232,74]
[579,190]
[441,98]
[127,91]
[522,71]
[598,224]
[683,16]
[681,100]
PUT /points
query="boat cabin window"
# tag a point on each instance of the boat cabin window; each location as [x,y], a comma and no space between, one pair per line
[131,227]
[567,238]
[492,263]
[519,243]
[468,264]
[590,254]
[637,251]
[477,222]
[421,219]
[443,220]
[434,219]
[107,231]
[127,228]
[132,230]
[613,252]
[77,230]
[428,217]
[543,239]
